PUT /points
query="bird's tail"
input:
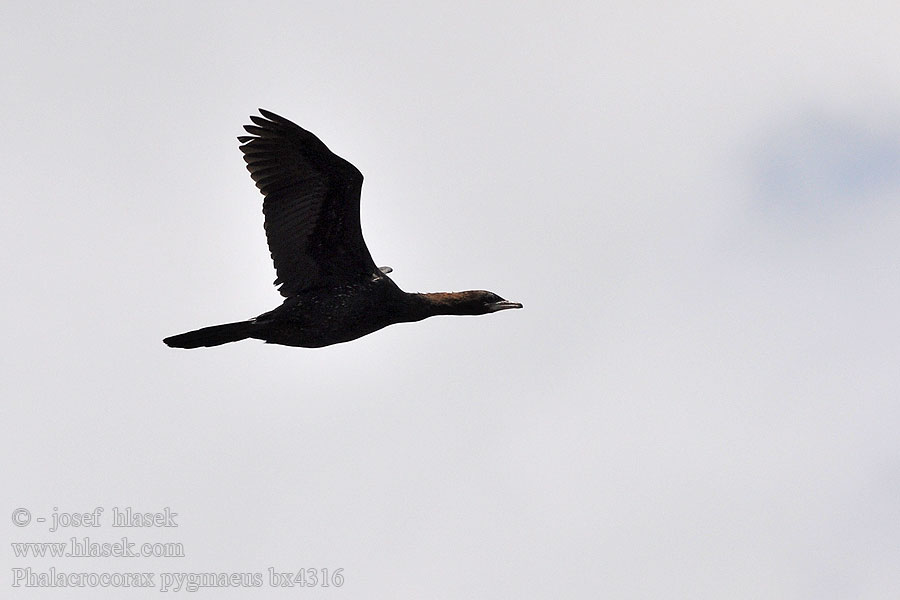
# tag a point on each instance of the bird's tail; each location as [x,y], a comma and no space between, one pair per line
[213,336]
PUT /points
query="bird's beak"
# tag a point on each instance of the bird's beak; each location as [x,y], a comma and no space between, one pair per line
[503,306]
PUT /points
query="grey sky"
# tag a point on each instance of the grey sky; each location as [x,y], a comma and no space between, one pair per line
[697,206]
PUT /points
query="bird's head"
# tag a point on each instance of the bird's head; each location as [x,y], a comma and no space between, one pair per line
[473,302]
[488,302]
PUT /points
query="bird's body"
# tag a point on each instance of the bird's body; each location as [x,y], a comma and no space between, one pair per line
[333,290]
[335,314]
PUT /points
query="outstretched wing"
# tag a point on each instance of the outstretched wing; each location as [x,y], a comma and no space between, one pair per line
[311,205]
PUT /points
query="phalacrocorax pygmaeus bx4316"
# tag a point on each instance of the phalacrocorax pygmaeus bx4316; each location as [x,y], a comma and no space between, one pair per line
[333,290]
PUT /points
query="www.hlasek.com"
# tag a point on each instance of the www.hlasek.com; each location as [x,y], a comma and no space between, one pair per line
[85,547]
[177,582]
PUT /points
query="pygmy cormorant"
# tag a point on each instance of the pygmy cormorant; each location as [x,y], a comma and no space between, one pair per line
[333,290]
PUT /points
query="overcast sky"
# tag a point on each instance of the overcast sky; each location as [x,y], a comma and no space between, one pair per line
[698,207]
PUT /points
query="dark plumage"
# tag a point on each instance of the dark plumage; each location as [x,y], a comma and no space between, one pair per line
[333,290]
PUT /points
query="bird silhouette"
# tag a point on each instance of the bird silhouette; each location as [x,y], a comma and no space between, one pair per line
[333,292]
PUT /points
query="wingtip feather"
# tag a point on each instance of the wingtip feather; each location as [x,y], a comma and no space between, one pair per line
[277,118]
[256,130]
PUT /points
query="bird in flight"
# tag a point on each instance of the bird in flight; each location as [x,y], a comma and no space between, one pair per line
[333,292]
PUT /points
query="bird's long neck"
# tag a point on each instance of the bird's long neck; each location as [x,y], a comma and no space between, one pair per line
[422,306]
